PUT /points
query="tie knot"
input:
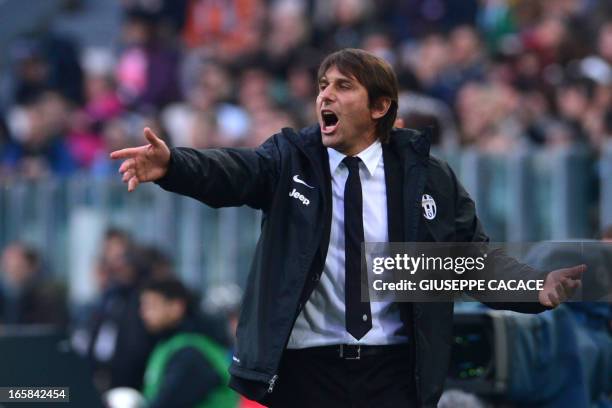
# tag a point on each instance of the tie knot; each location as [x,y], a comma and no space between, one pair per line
[352,162]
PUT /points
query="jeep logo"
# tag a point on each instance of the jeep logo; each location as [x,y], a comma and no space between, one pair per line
[300,197]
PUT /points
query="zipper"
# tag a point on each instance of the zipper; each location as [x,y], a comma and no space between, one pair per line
[271,383]
[274,378]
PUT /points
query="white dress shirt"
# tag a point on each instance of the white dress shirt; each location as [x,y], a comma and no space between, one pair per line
[322,320]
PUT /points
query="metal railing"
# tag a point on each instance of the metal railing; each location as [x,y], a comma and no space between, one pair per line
[528,195]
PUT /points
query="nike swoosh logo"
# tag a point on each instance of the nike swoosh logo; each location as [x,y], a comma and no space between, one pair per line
[298,180]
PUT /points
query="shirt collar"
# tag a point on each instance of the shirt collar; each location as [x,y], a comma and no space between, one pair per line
[370,157]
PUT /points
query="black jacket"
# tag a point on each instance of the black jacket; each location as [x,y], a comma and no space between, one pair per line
[292,248]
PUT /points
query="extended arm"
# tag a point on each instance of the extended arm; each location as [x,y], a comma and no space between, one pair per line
[559,285]
[217,177]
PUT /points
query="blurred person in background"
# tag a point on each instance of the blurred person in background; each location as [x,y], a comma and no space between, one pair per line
[256,94]
[114,338]
[147,66]
[114,132]
[301,90]
[26,296]
[428,59]
[38,146]
[573,100]
[47,61]
[157,262]
[120,131]
[228,29]
[102,105]
[488,116]
[412,19]
[419,111]
[186,368]
[209,116]
[465,62]
[102,101]
[286,41]
[340,23]
[171,14]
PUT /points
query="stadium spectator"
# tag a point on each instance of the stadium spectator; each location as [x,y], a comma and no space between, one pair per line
[26,297]
[38,147]
[147,67]
[46,62]
[186,368]
[228,29]
[115,340]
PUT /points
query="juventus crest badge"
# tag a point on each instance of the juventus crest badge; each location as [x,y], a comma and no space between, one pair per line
[429,207]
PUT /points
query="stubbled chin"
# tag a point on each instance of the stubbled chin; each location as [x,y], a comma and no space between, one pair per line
[330,140]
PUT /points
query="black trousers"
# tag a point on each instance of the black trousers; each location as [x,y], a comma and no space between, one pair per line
[307,379]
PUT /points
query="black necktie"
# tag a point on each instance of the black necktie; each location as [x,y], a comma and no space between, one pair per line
[358,315]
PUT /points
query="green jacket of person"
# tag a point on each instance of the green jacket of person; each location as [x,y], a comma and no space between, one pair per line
[215,355]
[186,368]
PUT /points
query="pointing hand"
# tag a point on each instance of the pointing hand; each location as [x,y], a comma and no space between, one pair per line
[144,163]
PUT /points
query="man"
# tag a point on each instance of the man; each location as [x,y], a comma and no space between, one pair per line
[304,338]
[113,337]
[186,368]
[26,297]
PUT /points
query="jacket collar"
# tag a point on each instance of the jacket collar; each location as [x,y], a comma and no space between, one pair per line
[308,141]
[405,142]
[408,142]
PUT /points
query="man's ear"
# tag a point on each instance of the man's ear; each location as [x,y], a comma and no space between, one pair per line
[380,107]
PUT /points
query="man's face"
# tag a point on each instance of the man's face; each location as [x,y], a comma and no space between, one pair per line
[159,313]
[347,123]
[14,266]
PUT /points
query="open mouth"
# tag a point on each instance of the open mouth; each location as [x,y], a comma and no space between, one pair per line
[330,121]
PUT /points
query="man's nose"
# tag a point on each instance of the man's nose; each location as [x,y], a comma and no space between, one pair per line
[327,94]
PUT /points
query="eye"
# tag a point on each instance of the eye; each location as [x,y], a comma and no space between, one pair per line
[322,86]
[345,85]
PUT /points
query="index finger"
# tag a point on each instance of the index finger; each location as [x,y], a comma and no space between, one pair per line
[575,271]
[126,153]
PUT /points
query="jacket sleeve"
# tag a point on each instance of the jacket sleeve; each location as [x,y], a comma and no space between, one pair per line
[224,177]
[469,229]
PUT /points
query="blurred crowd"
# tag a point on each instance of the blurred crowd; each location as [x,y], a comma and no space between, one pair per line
[140,304]
[493,74]
[142,313]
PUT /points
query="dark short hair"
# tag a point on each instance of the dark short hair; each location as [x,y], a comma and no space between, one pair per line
[374,73]
[170,289]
